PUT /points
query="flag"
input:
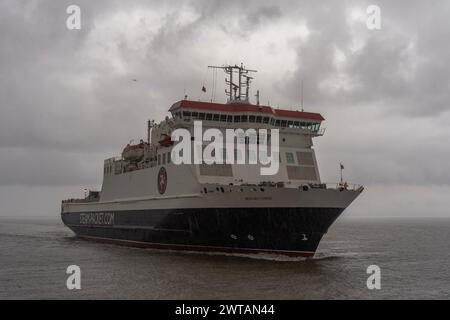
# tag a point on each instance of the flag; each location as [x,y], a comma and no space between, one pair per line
[203,89]
[342,166]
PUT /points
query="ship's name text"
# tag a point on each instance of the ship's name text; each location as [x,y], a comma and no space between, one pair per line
[99,218]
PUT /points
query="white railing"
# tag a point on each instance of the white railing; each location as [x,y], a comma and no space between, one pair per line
[321,131]
[343,186]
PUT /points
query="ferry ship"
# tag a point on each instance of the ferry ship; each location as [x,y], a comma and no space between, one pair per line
[147,200]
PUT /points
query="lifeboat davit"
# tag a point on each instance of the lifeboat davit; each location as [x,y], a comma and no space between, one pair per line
[133,152]
[166,140]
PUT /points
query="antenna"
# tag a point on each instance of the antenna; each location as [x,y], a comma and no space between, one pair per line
[235,91]
[302,97]
[149,127]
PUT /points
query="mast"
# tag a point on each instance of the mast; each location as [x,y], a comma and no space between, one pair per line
[149,126]
[302,97]
[238,91]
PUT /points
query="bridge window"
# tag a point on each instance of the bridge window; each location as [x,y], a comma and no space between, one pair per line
[194,115]
[159,159]
[277,123]
[243,118]
[209,116]
[186,114]
[237,155]
[266,120]
[283,123]
[258,119]
[168,157]
[230,119]
[290,157]
[251,119]
[201,116]
[164,158]
[252,156]
[223,117]
[216,117]
[237,118]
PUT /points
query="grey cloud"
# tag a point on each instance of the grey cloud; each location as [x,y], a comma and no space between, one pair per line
[260,15]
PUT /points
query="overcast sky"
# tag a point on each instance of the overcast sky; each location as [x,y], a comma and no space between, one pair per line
[68,99]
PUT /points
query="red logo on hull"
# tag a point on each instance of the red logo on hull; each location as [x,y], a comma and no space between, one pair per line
[162,180]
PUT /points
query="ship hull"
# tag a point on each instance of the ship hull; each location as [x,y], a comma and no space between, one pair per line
[288,231]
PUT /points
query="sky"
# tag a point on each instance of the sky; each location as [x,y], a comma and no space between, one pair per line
[68,99]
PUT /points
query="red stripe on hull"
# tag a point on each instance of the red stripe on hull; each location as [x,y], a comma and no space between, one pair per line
[181,247]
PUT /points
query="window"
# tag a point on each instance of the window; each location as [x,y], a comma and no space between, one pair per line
[230,119]
[216,117]
[277,123]
[258,119]
[159,159]
[168,157]
[201,116]
[223,117]
[266,120]
[272,121]
[164,158]
[243,118]
[296,124]
[252,156]
[224,154]
[283,123]
[251,119]
[237,118]
[290,124]
[195,115]
[290,157]
[238,155]
[209,116]
[186,114]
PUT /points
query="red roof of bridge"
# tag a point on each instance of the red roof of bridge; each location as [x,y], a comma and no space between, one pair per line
[237,107]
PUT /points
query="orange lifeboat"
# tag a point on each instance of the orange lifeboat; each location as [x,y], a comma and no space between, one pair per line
[133,152]
[166,140]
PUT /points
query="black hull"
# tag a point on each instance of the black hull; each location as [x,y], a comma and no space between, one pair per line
[287,231]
